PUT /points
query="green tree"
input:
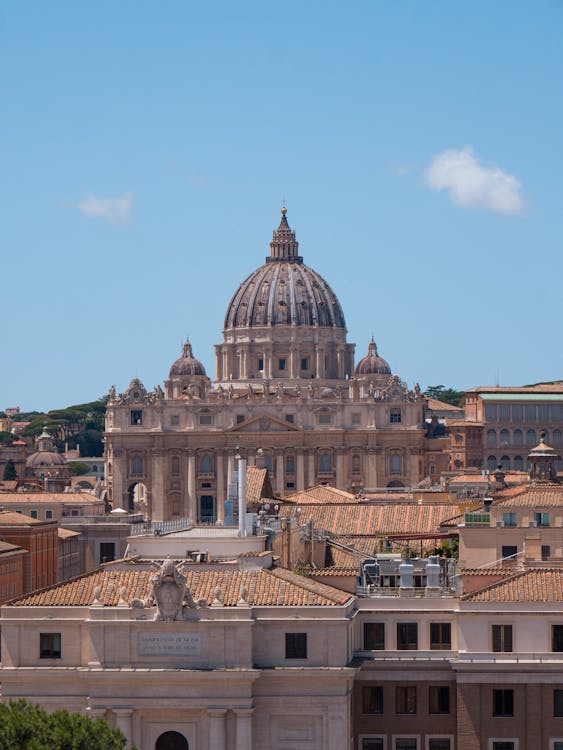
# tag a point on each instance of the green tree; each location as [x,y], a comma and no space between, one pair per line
[25,726]
[78,468]
[10,472]
[447,395]
[7,438]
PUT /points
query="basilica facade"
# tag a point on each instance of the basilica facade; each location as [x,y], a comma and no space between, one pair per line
[287,394]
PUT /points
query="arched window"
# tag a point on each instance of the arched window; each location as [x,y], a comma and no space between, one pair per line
[505,463]
[137,466]
[556,437]
[504,437]
[175,466]
[531,438]
[491,438]
[325,463]
[172,741]
[517,437]
[356,467]
[396,464]
[518,464]
[492,463]
[206,464]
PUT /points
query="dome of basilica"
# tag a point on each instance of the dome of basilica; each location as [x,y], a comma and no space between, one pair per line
[372,364]
[187,364]
[284,291]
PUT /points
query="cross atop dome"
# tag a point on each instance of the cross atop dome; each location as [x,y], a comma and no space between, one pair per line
[284,246]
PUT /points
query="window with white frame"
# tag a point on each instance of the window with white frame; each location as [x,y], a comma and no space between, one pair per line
[439,743]
[372,742]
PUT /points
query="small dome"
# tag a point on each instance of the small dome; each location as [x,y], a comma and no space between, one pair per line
[372,364]
[187,364]
[45,458]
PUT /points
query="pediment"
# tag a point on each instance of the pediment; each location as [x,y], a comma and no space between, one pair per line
[265,423]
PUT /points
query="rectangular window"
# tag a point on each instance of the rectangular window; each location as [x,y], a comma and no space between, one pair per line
[290,418]
[509,519]
[491,412]
[240,418]
[395,416]
[509,550]
[530,412]
[439,743]
[33,514]
[503,702]
[558,703]
[501,636]
[440,636]
[282,363]
[136,416]
[261,364]
[49,645]
[557,637]
[374,636]
[405,700]
[372,699]
[325,418]
[372,743]
[439,699]
[48,515]
[558,745]
[205,419]
[296,645]
[174,420]
[503,745]
[542,519]
[107,551]
[304,363]
[406,743]
[356,418]
[545,552]
[517,413]
[504,412]
[290,465]
[407,636]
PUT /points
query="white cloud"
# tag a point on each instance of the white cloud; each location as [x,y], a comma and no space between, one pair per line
[471,183]
[113,210]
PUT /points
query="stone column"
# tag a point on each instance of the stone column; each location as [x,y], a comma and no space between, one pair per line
[243,728]
[280,481]
[123,718]
[217,735]
[300,470]
[119,495]
[340,468]
[230,468]
[243,364]
[293,373]
[311,476]
[268,366]
[192,496]
[218,363]
[371,468]
[340,361]
[219,460]
[412,470]
[319,363]
[225,365]
[158,505]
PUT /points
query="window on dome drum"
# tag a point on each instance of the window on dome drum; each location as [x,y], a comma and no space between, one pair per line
[372,699]
[304,363]
[374,636]
[503,702]
[405,699]
[541,519]
[50,645]
[407,636]
[501,638]
[439,699]
[136,417]
[372,743]
[440,636]
[439,743]
[557,637]
[282,363]
[296,645]
[395,416]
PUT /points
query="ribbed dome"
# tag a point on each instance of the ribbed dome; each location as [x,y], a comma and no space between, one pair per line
[45,458]
[187,364]
[372,364]
[284,291]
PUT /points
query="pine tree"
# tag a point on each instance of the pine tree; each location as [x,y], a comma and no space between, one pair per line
[9,471]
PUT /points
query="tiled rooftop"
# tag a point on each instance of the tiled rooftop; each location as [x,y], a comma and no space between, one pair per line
[278,587]
[532,585]
[69,498]
[257,485]
[531,496]
[11,518]
[321,493]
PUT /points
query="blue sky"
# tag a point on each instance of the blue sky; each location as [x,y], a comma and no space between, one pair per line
[145,149]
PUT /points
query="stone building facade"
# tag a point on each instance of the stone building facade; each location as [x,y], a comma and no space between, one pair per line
[287,393]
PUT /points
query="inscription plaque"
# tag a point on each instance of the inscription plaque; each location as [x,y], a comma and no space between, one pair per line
[169,644]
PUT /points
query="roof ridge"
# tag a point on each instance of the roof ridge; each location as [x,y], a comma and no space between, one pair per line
[330,592]
[495,584]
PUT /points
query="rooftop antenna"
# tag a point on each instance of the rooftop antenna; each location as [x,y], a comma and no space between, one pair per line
[497,378]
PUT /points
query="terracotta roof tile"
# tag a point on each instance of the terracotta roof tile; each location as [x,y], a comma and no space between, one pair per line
[11,518]
[72,498]
[321,493]
[257,485]
[275,588]
[530,496]
[532,585]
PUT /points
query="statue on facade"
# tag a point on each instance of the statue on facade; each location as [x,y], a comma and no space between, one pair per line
[249,392]
[311,389]
[279,390]
[168,589]
[159,392]
[112,393]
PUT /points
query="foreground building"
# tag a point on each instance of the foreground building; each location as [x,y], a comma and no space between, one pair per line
[286,384]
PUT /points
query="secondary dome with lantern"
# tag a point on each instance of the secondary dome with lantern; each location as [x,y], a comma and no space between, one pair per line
[372,363]
[187,364]
[284,291]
